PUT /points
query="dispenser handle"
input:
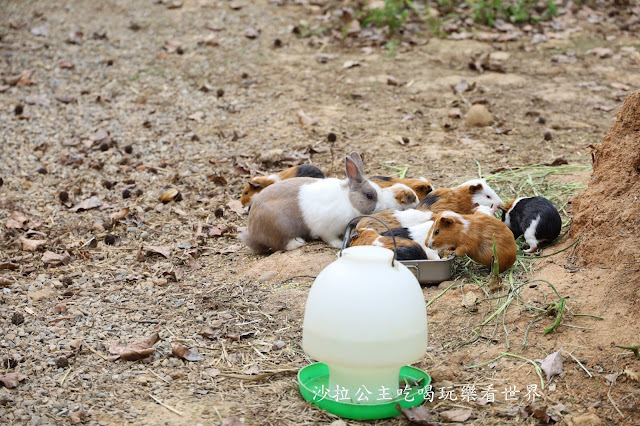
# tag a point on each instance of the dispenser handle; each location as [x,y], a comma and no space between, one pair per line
[352,223]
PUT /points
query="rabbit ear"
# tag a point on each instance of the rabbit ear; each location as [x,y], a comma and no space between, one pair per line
[354,174]
[358,160]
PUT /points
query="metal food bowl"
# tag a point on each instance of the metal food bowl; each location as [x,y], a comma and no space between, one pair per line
[426,271]
[430,271]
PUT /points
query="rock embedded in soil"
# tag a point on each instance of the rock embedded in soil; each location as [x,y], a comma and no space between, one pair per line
[478,116]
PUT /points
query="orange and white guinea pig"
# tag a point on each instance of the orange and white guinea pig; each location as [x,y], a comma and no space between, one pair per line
[395,219]
[461,199]
[473,235]
[407,249]
[258,183]
[421,186]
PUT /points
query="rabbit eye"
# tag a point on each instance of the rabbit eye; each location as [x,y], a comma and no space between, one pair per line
[246,192]
[489,197]
[369,196]
[437,232]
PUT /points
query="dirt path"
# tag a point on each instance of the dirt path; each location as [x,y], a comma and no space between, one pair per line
[112,114]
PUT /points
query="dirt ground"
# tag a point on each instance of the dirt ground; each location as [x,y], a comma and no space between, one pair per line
[131,99]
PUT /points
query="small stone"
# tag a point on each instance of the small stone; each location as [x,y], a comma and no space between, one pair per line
[62,362]
[17,318]
[478,116]
[267,276]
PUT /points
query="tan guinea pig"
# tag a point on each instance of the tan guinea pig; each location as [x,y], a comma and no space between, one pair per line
[473,235]
[421,186]
[461,199]
[259,183]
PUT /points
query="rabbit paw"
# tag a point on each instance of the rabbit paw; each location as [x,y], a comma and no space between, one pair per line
[295,243]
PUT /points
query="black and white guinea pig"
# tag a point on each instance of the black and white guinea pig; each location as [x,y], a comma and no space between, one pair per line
[535,217]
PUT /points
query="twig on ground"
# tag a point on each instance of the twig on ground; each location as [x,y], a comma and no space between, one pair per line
[166,406]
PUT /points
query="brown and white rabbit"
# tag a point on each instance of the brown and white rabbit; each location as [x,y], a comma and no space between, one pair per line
[258,183]
[461,199]
[289,212]
[473,235]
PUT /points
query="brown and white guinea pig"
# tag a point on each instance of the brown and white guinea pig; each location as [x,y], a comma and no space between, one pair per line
[461,199]
[535,217]
[395,219]
[283,215]
[473,235]
[421,186]
[407,249]
[417,233]
[258,183]
[396,197]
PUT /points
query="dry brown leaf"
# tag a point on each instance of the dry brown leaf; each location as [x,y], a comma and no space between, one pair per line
[134,350]
[172,46]
[5,282]
[66,99]
[9,265]
[458,416]
[88,204]
[552,364]
[253,370]
[75,37]
[121,214]
[17,220]
[305,119]
[31,245]
[22,79]
[236,207]
[11,380]
[55,259]
[351,64]
[196,116]
[209,40]
[231,249]
[174,5]
[163,250]
[417,415]
[232,421]
[183,352]
[79,416]
[171,194]
[59,309]
[37,100]
[252,33]
[631,374]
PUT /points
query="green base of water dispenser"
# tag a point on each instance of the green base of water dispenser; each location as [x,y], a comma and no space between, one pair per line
[313,381]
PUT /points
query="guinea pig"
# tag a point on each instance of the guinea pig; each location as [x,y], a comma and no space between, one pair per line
[406,248]
[417,233]
[283,215]
[258,183]
[473,235]
[395,219]
[421,186]
[396,197]
[462,198]
[535,217]
[484,209]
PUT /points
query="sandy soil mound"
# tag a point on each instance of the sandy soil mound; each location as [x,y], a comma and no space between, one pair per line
[608,211]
